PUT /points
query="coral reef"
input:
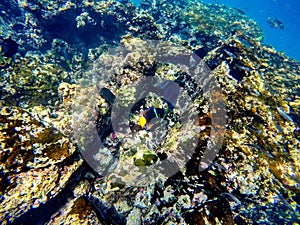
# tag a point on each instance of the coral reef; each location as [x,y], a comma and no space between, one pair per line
[31,81]
[36,162]
[52,51]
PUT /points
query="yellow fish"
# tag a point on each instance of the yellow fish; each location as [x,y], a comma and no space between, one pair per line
[142,121]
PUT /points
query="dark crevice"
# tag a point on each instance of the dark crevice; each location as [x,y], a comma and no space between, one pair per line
[42,214]
[106,214]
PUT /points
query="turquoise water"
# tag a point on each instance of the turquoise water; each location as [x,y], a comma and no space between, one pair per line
[287,11]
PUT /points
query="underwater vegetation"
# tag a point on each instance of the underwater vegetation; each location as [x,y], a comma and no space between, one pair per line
[50,50]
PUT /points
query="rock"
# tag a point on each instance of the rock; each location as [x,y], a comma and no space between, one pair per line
[36,163]
[45,177]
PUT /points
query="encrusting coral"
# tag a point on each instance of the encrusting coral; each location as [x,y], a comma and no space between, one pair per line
[47,95]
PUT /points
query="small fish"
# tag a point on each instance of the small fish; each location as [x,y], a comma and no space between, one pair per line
[254,129]
[153,112]
[107,95]
[275,23]
[278,127]
[254,146]
[244,41]
[65,54]
[261,149]
[284,115]
[219,166]
[245,68]
[284,201]
[240,11]
[232,55]
[255,92]
[233,198]
[147,117]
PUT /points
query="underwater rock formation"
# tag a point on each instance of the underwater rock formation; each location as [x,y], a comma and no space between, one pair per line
[31,81]
[36,162]
[45,177]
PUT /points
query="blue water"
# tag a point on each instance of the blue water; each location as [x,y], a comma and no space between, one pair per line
[286,40]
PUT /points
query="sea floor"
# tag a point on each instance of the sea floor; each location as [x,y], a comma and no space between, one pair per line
[173,112]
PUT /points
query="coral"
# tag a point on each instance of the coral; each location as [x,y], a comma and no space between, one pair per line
[34,165]
[260,136]
[144,26]
[52,102]
[29,81]
[219,20]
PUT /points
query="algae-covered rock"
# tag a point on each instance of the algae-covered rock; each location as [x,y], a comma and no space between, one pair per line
[48,95]
[36,162]
[31,81]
